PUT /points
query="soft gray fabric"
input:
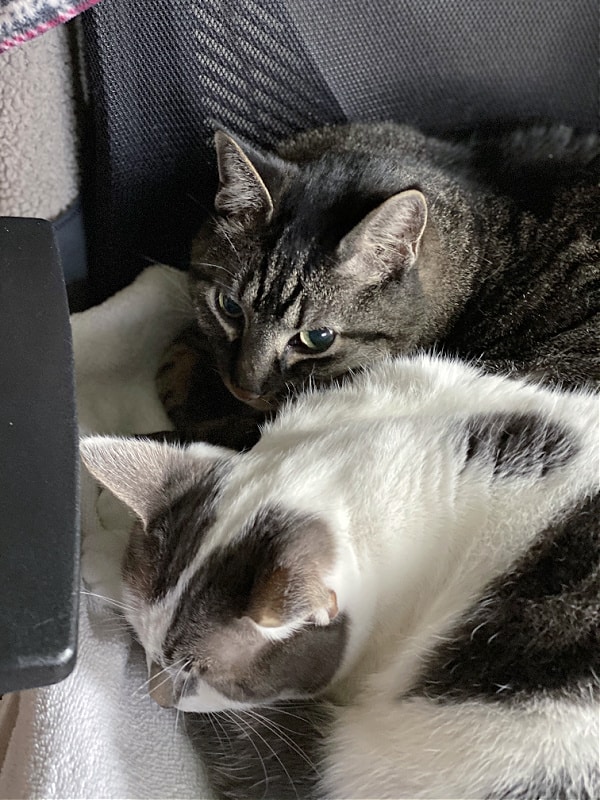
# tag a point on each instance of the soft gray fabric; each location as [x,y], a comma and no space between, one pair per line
[39,175]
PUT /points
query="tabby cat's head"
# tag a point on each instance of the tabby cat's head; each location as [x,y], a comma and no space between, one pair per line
[233,599]
[309,269]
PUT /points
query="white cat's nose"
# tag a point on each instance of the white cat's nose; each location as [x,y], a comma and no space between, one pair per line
[161,686]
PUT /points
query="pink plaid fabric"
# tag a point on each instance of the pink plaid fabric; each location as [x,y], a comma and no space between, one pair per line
[22,20]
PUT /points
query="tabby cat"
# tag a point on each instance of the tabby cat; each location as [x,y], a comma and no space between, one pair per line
[418,550]
[362,241]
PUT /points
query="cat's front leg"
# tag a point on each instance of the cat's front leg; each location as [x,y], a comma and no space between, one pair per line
[176,375]
[196,400]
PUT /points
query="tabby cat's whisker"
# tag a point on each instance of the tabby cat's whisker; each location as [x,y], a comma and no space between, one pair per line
[274,752]
[231,244]
[237,721]
[216,266]
[278,729]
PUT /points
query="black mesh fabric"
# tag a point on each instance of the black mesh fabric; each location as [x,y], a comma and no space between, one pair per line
[441,64]
[162,75]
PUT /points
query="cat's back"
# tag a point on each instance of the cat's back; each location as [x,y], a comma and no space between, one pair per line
[398,145]
[480,674]
[534,163]
[425,387]
[495,691]
[427,415]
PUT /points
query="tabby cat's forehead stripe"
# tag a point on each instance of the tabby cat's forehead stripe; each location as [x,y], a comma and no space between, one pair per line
[286,305]
[260,280]
[281,279]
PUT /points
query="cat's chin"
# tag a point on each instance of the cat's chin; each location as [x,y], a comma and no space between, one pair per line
[207,700]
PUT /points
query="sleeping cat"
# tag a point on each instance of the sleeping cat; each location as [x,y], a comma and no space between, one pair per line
[410,561]
[359,242]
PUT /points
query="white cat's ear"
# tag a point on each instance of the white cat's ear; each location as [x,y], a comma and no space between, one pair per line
[242,194]
[387,240]
[145,474]
[295,589]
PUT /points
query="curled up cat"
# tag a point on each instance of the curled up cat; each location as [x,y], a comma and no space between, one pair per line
[358,242]
[394,594]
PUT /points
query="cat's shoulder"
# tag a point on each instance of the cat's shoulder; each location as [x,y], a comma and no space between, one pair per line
[428,386]
[437,383]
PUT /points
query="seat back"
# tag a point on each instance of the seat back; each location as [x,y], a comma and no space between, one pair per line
[163,75]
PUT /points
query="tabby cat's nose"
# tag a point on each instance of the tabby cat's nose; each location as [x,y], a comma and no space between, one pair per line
[243,394]
[251,399]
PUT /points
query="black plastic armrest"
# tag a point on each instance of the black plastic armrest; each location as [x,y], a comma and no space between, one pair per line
[39,530]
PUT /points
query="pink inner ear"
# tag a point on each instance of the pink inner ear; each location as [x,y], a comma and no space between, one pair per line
[324,615]
[268,600]
[332,608]
[283,597]
[292,589]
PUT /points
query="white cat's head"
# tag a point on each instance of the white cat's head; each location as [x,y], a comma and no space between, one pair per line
[232,609]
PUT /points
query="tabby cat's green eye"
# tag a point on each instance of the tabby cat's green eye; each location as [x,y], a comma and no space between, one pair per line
[317,340]
[228,306]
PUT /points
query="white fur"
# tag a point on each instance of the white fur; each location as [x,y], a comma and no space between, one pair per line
[387,748]
[418,536]
[376,460]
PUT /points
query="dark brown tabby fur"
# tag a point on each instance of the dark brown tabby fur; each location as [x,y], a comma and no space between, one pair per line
[485,247]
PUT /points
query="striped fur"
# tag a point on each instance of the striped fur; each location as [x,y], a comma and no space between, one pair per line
[506,270]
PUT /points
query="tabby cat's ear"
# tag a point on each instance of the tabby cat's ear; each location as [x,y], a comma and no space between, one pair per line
[295,590]
[242,194]
[387,240]
[146,475]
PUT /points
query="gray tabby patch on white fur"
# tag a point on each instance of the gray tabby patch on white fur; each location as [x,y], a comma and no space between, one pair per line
[418,550]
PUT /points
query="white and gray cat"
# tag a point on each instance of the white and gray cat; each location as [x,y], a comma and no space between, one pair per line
[417,550]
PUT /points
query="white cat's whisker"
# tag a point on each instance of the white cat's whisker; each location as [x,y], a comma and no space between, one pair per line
[187,677]
[143,686]
[277,758]
[214,720]
[117,603]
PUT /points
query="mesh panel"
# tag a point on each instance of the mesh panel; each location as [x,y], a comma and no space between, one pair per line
[162,75]
[443,64]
